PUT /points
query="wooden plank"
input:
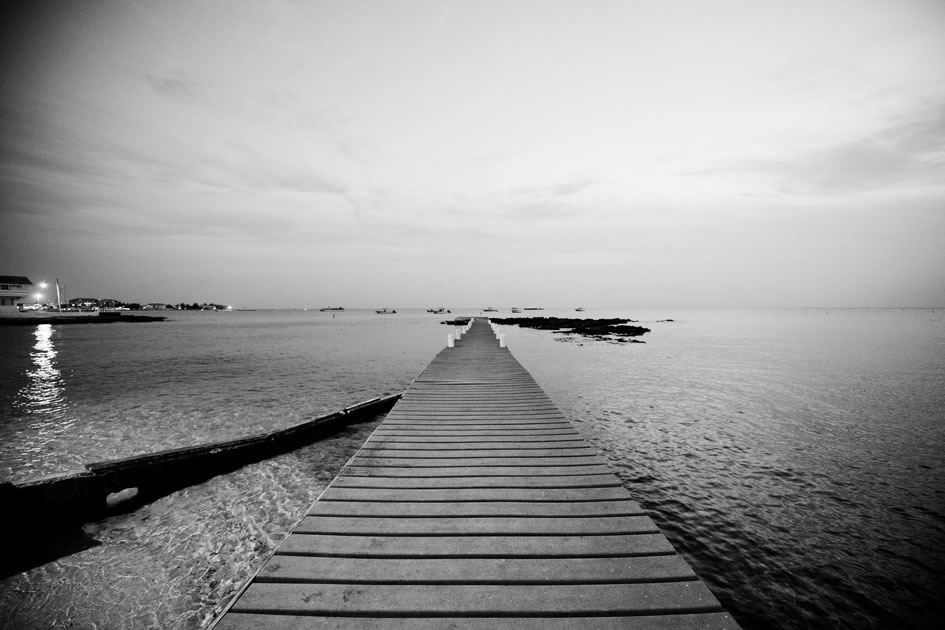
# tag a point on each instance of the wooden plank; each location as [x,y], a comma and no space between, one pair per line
[496,462]
[453,509]
[570,495]
[480,425]
[404,445]
[397,600]
[495,432]
[534,481]
[494,526]
[488,421]
[507,546]
[303,569]
[473,471]
[523,453]
[705,621]
[386,438]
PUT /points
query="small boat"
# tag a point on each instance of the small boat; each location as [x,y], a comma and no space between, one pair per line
[534,308]
[516,309]
[490,309]
[580,309]
[385,311]
[332,308]
[437,311]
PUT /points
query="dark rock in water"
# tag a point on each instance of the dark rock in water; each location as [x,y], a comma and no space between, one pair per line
[459,321]
[614,329]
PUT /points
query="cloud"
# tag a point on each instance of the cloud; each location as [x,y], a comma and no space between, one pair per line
[905,153]
[174,87]
[554,201]
[560,190]
[541,210]
[306,181]
[29,141]
[573,187]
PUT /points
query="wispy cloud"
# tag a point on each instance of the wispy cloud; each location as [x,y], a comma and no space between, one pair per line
[542,203]
[559,190]
[173,86]
[905,153]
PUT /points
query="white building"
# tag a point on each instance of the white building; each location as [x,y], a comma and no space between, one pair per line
[12,290]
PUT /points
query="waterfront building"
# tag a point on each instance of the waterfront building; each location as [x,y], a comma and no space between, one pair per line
[12,290]
[84,304]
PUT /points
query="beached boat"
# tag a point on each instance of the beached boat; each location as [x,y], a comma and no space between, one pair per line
[579,309]
[490,309]
[516,309]
[332,308]
[534,308]
[385,311]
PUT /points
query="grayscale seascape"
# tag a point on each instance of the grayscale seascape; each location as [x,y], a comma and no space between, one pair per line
[224,222]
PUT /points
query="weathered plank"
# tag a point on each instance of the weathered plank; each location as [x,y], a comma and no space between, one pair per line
[524,453]
[604,480]
[455,495]
[506,546]
[452,509]
[533,440]
[492,526]
[474,471]
[307,569]
[483,600]
[495,462]
[705,621]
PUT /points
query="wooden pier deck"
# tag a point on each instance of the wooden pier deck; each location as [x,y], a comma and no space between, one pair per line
[476,504]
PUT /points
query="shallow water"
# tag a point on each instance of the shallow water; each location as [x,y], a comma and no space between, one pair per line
[78,394]
[794,457]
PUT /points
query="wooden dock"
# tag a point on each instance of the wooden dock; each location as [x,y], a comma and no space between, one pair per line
[476,504]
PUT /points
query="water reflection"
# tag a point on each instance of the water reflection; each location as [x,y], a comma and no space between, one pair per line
[44,391]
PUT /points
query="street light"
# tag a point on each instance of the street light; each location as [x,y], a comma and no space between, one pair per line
[44,284]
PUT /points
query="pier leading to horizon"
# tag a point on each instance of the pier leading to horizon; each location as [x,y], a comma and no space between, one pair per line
[476,504]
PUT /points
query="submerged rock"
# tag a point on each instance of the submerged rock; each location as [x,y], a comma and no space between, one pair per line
[459,321]
[614,329]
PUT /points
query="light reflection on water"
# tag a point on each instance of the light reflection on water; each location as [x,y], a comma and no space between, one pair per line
[40,406]
[44,390]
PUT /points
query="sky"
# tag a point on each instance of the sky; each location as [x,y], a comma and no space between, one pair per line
[605,154]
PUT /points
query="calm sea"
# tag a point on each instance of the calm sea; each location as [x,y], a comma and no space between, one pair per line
[796,457]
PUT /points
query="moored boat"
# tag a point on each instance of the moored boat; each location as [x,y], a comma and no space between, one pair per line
[385,311]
